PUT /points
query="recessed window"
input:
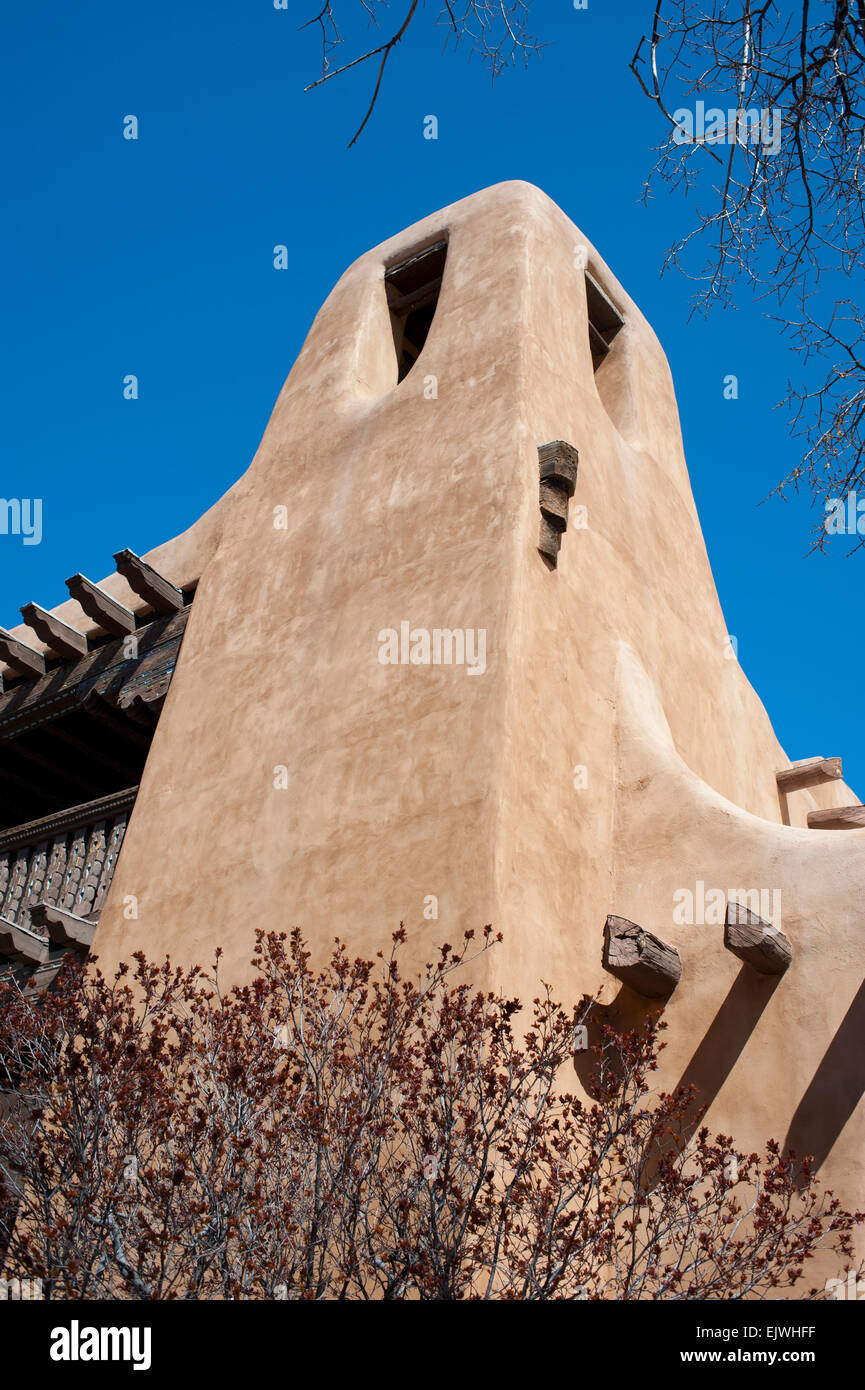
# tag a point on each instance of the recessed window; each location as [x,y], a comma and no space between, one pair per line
[412,288]
[604,321]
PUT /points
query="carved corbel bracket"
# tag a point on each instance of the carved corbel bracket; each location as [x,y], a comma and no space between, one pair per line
[558,478]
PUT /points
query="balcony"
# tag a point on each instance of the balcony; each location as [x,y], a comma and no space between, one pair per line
[54,877]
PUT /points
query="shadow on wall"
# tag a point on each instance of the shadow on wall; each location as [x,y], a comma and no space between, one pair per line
[828,1103]
[717,1053]
[835,1089]
[627,1013]
[725,1039]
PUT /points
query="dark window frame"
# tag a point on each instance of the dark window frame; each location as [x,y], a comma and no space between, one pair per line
[604,320]
[413,285]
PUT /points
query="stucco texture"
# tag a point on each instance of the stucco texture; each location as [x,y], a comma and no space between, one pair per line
[408,782]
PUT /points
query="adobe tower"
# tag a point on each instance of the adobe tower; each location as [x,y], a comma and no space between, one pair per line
[453,655]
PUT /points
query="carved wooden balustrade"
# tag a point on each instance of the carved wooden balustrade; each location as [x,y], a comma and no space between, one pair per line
[78,707]
[55,874]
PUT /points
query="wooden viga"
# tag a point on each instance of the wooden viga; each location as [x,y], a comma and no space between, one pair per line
[77,715]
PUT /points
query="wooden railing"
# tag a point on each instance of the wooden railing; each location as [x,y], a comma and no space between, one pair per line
[66,860]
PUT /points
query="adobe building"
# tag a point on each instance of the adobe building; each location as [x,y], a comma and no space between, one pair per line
[450,652]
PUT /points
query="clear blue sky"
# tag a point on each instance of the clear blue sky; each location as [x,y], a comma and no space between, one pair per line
[155,257]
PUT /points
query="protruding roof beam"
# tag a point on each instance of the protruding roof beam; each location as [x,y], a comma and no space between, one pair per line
[756,942]
[813,773]
[145,581]
[66,641]
[837,818]
[639,959]
[112,616]
[26,660]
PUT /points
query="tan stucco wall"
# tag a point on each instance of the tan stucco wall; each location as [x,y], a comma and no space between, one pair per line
[408,781]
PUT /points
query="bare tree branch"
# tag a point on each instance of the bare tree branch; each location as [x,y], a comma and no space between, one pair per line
[495,31]
[346,1133]
[784,85]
